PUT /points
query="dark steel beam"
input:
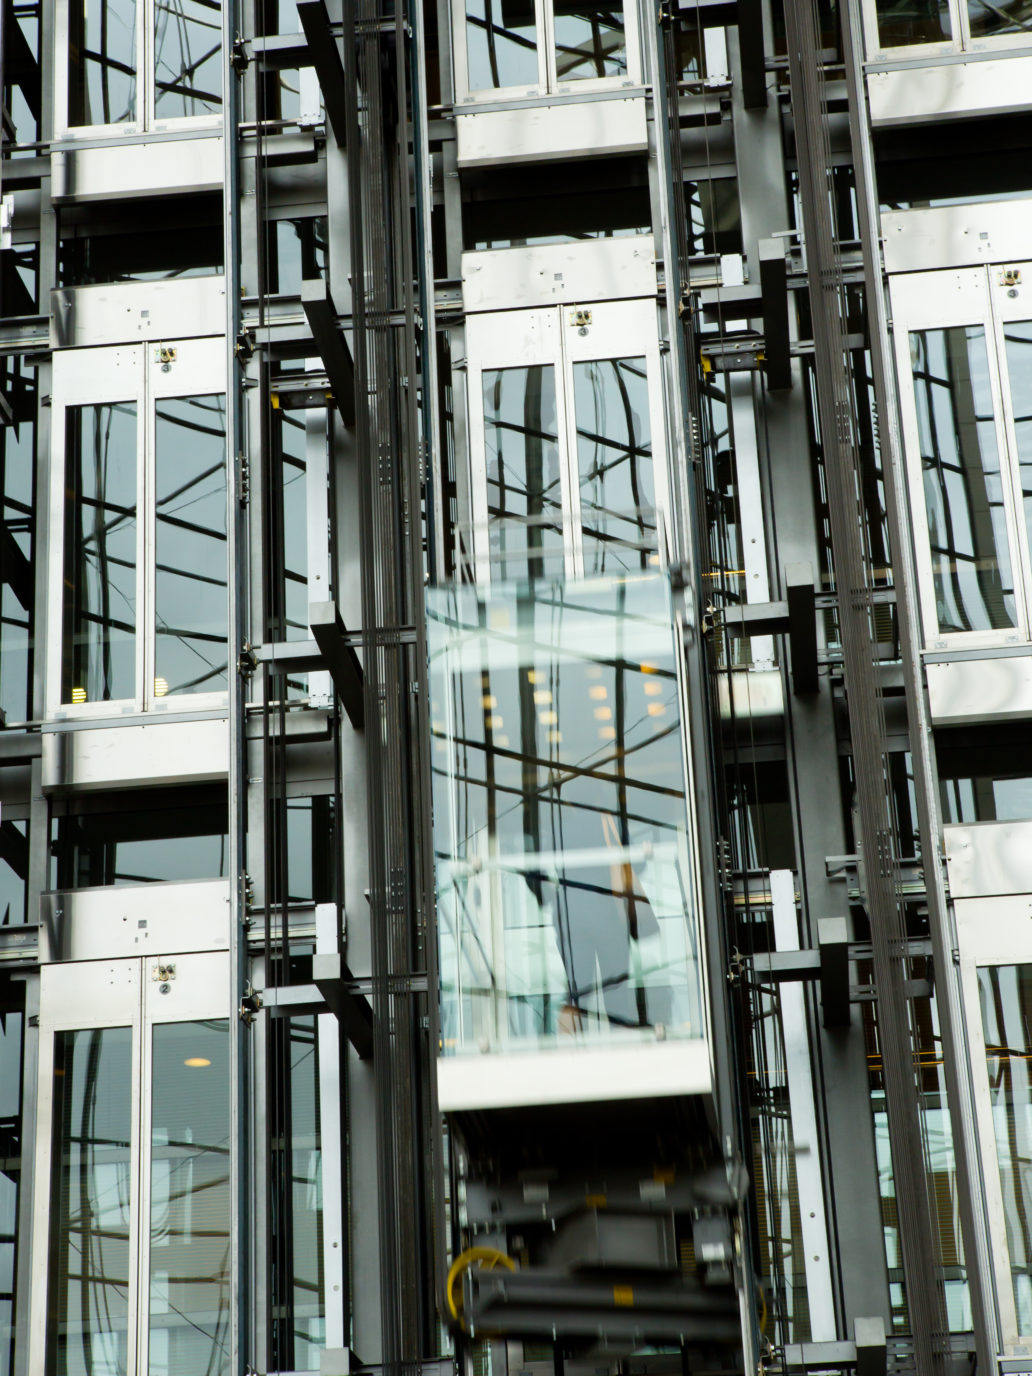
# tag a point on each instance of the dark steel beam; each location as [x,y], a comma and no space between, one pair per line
[802,626]
[871,1349]
[15,568]
[754,59]
[340,658]
[833,941]
[350,1007]
[774,293]
[331,344]
[322,47]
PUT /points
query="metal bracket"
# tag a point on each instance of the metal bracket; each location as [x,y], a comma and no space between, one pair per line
[250,1005]
[247,660]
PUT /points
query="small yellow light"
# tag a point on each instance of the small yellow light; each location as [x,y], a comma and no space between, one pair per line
[160,687]
[654,560]
[196,1061]
[593,670]
[78,694]
[653,689]
[547,718]
[603,714]
[489,700]
[607,733]
[555,738]
[533,676]
[598,692]
[502,742]
[656,709]
[542,695]
[495,722]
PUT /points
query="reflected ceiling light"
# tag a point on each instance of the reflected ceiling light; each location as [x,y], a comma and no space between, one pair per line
[534,676]
[196,1061]
[542,695]
[598,692]
[160,687]
[555,738]
[501,741]
[78,694]
[652,689]
[607,733]
[547,718]
[495,723]
[603,714]
[656,709]
[648,668]
[593,670]
[489,700]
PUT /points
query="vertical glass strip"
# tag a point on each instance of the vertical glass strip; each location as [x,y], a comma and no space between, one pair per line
[190,591]
[590,41]
[524,491]
[1017,343]
[101,62]
[90,1263]
[187,58]
[501,44]
[189,1282]
[99,659]
[902,23]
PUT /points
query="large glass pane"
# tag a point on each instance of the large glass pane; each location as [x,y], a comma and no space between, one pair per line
[99,661]
[17,483]
[614,463]
[501,44]
[91,1201]
[159,841]
[963,485]
[190,594]
[902,23]
[101,61]
[11,1138]
[187,58]
[1017,340]
[589,40]
[189,1283]
[563,872]
[524,492]
[1005,993]
[989,17]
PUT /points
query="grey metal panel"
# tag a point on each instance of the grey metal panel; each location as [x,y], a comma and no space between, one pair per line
[124,312]
[987,858]
[950,90]
[587,129]
[134,920]
[546,275]
[955,235]
[128,755]
[137,169]
[969,690]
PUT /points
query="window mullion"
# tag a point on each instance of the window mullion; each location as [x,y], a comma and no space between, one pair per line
[145,561]
[139,1175]
[566,424]
[546,45]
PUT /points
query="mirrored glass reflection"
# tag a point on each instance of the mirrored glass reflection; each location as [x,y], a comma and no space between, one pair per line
[501,44]
[190,593]
[589,41]
[190,1200]
[560,833]
[187,58]
[1017,342]
[524,491]
[963,484]
[1005,994]
[99,659]
[101,62]
[902,23]
[614,463]
[90,1262]
[989,17]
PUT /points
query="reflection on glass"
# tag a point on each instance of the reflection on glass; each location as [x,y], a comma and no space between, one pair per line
[963,485]
[905,22]
[300,252]
[99,660]
[187,58]
[524,493]
[101,61]
[501,44]
[1017,341]
[1005,994]
[17,466]
[146,846]
[563,872]
[190,1200]
[989,17]
[90,1262]
[190,598]
[614,463]
[589,40]
[10,1176]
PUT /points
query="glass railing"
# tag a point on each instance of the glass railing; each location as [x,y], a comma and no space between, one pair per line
[563,864]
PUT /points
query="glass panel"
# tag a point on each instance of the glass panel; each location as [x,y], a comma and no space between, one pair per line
[190,594]
[560,835]
[187,58]
[190,1200]
[17,478]
[99,662]
[501,44]
[963,486]
[11,1138]
[989,17]
[614,462]
[904,22]
[524,492]
[148,845]
[589,40]
[90,1263]
[1017,342]
[101,61]
[1005,993]
[300,252]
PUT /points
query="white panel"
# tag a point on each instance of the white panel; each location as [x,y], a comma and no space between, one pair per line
[550,274]
[988,858]
[123,312]
[150,754]
[994,931]
[591,128]
[137,169]
[967,690]
[950,90]
[949,236]
[580,1075]
[751,693]
[135,920]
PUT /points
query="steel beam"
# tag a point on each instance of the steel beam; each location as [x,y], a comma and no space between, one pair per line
[331,344]
[774,295]
[750,43]
[802,626]
[322,47]
[833,939]
[340,658]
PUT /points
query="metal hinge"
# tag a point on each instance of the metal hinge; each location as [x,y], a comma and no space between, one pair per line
[247,660]
[250,1004]
[243,479]
[238,58]
[244,345]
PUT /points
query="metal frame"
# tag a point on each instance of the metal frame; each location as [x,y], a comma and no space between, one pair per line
[960,41]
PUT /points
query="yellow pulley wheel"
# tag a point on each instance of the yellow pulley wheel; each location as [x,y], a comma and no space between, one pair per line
[486,1257]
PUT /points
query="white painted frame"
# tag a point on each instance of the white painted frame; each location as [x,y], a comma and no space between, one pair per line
[960,41]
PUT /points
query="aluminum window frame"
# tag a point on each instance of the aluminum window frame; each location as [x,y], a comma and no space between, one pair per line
[124,373]
[551,336]
[959,42]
